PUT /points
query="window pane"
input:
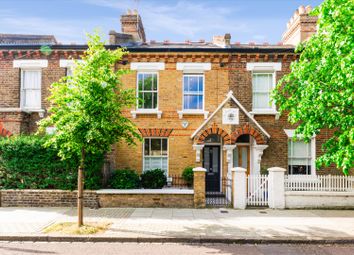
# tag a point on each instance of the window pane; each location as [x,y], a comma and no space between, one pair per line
[140,81]
[31,79]
[154,81]
[147,82]
[155,101]
[185,83]
[155,147]
[155,163]
[146,147]
[147,100]
[32,99]
[201,83]
[164,147]
[164,165]
[261,101]
[200,103]
[262,82]
[193,84]
[192,102]
[300,149]
[69,71]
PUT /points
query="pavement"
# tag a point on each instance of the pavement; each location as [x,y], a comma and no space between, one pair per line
[185,225]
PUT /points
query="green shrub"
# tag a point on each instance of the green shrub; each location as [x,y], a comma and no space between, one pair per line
[125,179]
[26,164]
[153,179]
[188,175]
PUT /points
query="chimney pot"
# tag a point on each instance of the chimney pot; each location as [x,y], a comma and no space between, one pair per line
[301,9]
[308,8]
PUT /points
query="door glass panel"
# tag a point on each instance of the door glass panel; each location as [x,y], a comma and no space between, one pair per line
[235,156]
[244,157]
[206,159]
[215,159]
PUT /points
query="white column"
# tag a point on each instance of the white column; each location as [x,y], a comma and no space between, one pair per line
[197,148]
[276,188]
[257,157]
[239,187]
[229,157]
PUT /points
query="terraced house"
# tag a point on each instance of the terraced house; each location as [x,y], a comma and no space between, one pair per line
[204,103]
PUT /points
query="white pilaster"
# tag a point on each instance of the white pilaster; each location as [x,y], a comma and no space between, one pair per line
[239,187]
[229,157]
[257,157]
[276,188]
[197,148]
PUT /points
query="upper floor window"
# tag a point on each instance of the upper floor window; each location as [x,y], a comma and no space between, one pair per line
[147,90]
[193,92]
[155,154]
[262,86]
[31,89]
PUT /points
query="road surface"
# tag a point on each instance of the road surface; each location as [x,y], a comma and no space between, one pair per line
[29,248]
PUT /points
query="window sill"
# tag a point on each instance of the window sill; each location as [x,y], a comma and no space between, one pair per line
[26,110]
[266,112]
[193,112]
[146,112]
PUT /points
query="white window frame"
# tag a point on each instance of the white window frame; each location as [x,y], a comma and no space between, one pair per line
[271,108]
[291,134]
[162,156]
[22,95]
[194,93]
[146,91]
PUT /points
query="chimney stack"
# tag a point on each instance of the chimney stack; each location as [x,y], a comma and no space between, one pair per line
[132,29]
[300,27]
[222,40]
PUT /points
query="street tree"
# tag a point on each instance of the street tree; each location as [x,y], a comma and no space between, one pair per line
[319,91]
[86,109]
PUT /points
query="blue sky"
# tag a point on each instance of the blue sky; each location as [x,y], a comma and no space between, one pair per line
[175,20]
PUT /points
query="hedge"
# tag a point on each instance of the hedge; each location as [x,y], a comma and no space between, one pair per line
[26,164]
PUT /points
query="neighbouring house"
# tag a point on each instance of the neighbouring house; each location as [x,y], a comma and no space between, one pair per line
[205,103]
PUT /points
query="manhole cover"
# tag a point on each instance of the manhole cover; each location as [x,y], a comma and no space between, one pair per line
[263,212]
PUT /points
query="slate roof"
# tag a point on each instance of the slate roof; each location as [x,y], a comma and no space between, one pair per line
[21,39]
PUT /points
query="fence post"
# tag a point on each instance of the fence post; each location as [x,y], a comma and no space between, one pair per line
[239,187]
[199,187]
[276,188]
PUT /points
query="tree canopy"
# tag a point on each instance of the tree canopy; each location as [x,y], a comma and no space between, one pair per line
[87,107]
[319,91]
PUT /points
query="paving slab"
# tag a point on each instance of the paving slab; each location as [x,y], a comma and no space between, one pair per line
[188,224]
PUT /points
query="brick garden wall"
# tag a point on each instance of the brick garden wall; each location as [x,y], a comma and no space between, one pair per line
[146,200]
[45,198]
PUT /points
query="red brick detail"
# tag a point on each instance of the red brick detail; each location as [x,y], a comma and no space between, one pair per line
[248,130]
[155,132]
[214,130]
[4,132]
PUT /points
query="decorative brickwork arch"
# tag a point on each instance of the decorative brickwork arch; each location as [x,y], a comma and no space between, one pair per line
[155,132]
[248,130]
[214,129]
[4,132]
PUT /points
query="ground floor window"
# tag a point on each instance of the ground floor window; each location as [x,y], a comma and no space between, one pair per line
[299,157]
[156,154]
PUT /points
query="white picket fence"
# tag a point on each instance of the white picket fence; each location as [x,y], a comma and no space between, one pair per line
[319,183]
[257,190]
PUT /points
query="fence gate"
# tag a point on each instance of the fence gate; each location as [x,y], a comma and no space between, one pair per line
[222,198]
[257,190]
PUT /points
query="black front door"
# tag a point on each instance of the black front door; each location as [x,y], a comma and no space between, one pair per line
[211,162]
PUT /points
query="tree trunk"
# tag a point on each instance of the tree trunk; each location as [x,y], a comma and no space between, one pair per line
[80,190]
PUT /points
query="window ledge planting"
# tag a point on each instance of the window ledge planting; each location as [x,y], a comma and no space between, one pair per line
[146,112]
[193,112]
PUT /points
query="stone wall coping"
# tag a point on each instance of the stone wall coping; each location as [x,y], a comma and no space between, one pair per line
[238,169]
[199,169]
[320,193]
[44,190]
[276,169]
[146,191]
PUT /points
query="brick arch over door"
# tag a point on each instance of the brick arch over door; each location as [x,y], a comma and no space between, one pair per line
[247,130]
[214,130]
[4,132]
